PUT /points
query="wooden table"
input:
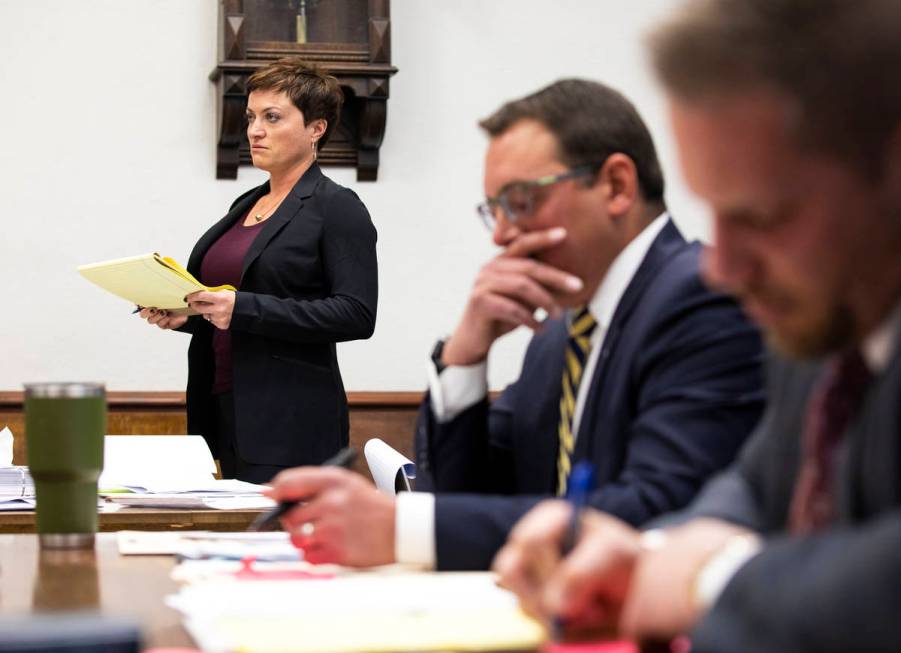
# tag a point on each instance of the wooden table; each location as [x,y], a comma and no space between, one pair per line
[100,580]
[146,519]
[34,581]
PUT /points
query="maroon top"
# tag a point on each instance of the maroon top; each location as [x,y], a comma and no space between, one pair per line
[222,264]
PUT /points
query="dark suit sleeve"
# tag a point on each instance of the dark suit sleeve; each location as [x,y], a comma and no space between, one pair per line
[470,528]
[470,453]
[828,593]
[700,394]
[754,491]
[349,259]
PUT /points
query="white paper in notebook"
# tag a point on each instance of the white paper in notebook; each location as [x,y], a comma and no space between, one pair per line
[192,500]
[390,469]
[139,460]
[19,503]
[205,486]
[6,447]
[172,542]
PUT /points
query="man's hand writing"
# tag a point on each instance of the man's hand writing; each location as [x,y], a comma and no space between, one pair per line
[343,519]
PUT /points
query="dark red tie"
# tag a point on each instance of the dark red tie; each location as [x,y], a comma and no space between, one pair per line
[833,403]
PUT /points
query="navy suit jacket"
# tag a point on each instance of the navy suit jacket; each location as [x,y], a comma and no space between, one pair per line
[677,388]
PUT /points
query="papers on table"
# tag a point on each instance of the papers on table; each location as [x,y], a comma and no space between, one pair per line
[15,482]
[219,499]
[240,503]
[365,612]
[6,447]
[29,503]
[22,503]
[205,545]
[390,469]
[158,471]
[16,486]
[160,462]
[171,471]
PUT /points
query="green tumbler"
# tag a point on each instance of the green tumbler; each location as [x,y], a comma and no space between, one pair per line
[65,424]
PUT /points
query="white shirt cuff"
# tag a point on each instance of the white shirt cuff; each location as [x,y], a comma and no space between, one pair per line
[457,388]
[722,566]
[414,529]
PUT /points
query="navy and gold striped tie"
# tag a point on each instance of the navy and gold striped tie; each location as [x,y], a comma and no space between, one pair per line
[577,348]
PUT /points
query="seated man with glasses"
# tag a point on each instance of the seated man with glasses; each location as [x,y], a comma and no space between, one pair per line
[638,367]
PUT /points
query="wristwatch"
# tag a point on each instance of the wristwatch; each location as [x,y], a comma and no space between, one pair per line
[437,351]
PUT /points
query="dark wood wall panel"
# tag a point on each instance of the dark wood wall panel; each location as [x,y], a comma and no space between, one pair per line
[390,416]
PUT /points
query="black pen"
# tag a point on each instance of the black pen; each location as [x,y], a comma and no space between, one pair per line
[578,491]
[344,458]
[138,309]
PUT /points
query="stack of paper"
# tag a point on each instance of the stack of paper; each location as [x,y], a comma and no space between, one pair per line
[228,494]
[16,485]
[208,546]
[155,462]
[16,489]
[161,471]
[368,612]
[171,471]
[15,482]
[147,280]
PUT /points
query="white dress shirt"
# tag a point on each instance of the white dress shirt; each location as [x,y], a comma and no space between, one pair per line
[462,386]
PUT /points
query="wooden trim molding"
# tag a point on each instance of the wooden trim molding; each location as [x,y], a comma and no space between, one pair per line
[390,416]
[176,400]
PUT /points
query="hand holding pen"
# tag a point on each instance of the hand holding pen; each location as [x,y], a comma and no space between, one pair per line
[578,491]
[161,318]
[338,516]
[570,567]
[267,520]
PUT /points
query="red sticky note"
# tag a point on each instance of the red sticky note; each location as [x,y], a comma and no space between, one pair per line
[248,572]
[591,647]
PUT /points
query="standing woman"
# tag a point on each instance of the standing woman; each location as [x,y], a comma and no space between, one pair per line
[264,387]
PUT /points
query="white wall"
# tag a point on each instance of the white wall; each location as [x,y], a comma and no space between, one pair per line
[109,150]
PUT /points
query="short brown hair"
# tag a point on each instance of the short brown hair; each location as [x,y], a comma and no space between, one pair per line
[311,88]
[590,121]
[838,61]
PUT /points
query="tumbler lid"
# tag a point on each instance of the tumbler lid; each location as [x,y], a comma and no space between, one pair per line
[64,390]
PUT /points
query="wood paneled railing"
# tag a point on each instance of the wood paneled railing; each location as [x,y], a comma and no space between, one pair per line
[390,416]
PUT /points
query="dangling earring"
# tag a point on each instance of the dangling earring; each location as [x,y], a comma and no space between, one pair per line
[314,150]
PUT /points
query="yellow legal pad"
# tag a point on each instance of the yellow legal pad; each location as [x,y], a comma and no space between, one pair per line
[148,280]
[357,613]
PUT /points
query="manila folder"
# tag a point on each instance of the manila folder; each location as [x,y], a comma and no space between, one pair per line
[149,280]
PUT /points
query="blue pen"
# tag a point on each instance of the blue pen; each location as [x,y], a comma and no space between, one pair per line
[578,491]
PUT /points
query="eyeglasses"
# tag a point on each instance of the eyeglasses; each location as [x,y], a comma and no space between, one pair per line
[517,200]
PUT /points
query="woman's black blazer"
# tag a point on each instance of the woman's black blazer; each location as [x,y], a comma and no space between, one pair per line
[309,280]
